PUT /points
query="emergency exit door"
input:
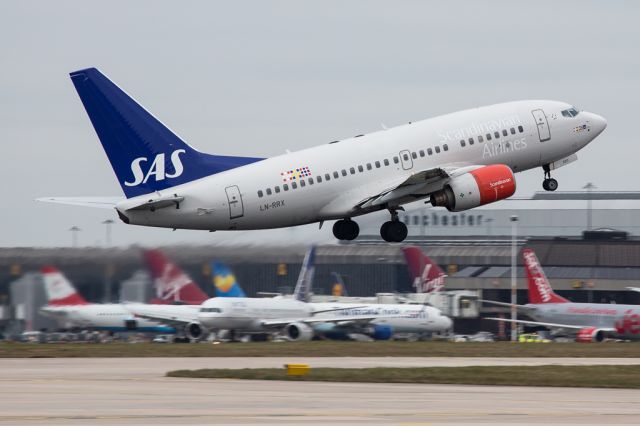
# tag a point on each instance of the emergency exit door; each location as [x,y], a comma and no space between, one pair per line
[405,159]
[543,125]
[236,209]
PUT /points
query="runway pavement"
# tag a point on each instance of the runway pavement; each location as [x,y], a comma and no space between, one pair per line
[133,391]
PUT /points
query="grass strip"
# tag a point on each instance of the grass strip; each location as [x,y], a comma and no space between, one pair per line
[321,349]
[591,376]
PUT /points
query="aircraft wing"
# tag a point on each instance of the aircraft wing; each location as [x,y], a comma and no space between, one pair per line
[341,320]
[166,318]
[99,202]
[417,185]
[548,324]
[634,289]
[521,308]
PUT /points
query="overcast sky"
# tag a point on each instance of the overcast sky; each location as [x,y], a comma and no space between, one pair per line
[257,78]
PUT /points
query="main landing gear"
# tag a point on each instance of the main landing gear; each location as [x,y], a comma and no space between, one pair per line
[549,184]
[346,229]
[393,231]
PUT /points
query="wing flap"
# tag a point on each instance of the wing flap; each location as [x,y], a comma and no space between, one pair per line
[417,185]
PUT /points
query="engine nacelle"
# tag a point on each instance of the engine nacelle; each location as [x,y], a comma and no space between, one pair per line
[478,187]
[194,331]
[381,332]
[590,335]
[298,331]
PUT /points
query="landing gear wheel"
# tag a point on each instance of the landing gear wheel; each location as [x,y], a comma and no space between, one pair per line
[346,229]
[550,184]
[393,231]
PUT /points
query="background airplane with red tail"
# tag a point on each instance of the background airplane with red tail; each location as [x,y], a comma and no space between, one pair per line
[71,310]
[589,322]
[425,274]
[171,283]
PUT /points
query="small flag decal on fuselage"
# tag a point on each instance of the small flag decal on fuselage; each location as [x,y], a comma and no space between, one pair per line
[295,174]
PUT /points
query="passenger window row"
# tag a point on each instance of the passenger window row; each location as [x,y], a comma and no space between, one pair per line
[352,170]
[302,182]
[488,136]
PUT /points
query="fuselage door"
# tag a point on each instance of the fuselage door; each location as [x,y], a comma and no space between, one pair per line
[236,209]
[405,159]
[543,126]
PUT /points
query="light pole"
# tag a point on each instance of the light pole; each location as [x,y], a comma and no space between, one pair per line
[107,237]
[589,187]
[514,283]
[74,235]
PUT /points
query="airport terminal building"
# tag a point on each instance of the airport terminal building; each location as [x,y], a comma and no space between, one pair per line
[473,247]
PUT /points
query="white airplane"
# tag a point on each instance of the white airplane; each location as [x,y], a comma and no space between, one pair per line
[247,315]
[71,310]
[589,322]
[172,285]
[295,317]
[458,161]
[391,319]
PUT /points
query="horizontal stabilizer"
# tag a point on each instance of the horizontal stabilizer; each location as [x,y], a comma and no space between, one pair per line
[97,202]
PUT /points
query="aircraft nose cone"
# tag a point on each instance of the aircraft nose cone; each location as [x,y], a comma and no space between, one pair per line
[598,123]
[448,323]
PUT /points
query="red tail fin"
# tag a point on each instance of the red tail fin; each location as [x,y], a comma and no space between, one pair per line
[171,283]
[60,292]
[426,275]
[540,290]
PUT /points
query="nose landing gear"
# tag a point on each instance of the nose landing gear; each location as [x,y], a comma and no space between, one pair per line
[346,229]
[548,184]
[393,231]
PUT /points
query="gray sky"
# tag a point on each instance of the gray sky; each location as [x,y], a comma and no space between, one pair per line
[256,78]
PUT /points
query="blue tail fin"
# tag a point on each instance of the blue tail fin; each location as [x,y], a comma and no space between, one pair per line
[225,281]
[145,155]
[302,292]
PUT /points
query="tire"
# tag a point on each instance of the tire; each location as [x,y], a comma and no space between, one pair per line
[346,229]
[397,231]
[393,231]
[338,229]
[552,185]
[384,231]
[351,230]
[545,184]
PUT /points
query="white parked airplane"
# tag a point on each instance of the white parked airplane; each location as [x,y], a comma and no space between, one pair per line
[458,161]
[589,322]
[172,285]
[252,315]
[297,319]
[71,310]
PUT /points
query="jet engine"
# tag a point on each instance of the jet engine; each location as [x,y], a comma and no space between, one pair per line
[481,186]
[590,335]
[194,331]
[381,332]
[298,331]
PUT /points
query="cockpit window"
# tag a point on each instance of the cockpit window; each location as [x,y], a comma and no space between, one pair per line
[571,112]
[215,310]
